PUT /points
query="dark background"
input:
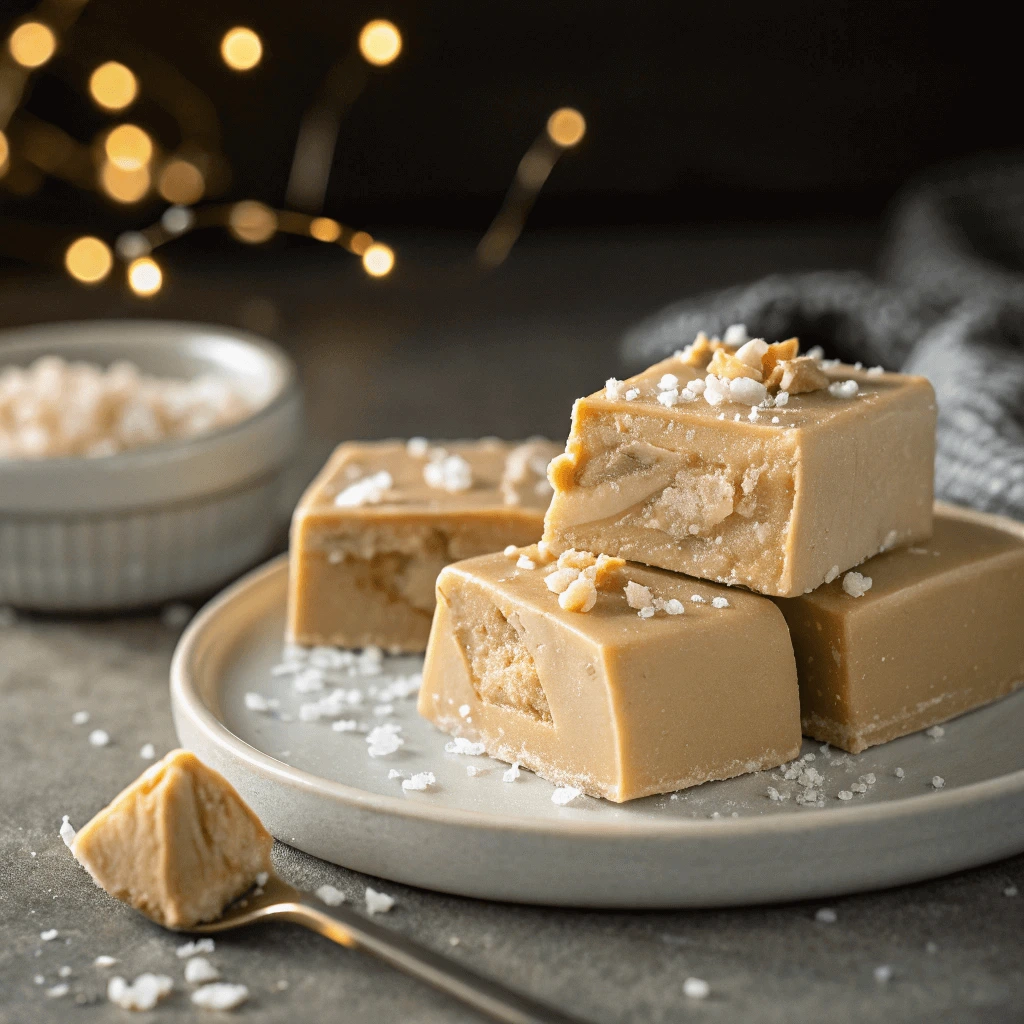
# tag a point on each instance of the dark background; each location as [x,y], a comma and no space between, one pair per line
[697,112]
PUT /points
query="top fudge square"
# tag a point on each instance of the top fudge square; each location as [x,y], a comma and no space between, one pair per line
[750,466]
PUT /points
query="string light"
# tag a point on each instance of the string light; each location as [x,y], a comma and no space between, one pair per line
[378,259]
[181,182]
[88,259]
[113,86]
[32,44]
[241,49]
[324,229]
[128,147]
[566,127]
[124,186]
[145,277]
[252,222]
[380,42]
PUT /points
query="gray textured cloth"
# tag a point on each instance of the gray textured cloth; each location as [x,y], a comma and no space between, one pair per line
[950,306]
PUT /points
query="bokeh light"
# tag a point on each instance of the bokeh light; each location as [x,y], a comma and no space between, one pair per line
[145,277]
[124,186]
[378,260]
[251,221]
[360,242]
[129,147]
[241,49]
[5,152]
[380,42]
[88,259]
[566,127]
[113,86]
[32,44]
[324,229]
[181,182]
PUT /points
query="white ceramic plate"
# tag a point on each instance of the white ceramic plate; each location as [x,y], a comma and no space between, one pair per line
[719,844]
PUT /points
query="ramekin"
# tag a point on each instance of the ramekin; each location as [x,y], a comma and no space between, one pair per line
[161,522]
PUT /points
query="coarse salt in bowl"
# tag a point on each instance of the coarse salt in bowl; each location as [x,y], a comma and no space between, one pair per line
[162,520]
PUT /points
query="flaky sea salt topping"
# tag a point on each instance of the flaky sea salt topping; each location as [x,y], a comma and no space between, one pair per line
[370,490]
[56,408]
[856,584]
[451,473]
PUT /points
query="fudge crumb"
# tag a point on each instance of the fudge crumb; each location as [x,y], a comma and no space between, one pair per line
[696,988]
[452,473]
[370,490]
[330,895]
[147,752]
[936,732]
[512,773]
[720,602]
[565,795]
[826,915]
[105,961]
[199,971]
[142,994]
[559,580]
[419,782]
[579,596]
[856,584]
[938,782]
[524,562]
[417,447]
[80,718]
[460,745]
[189,949]
[67,832]
[378,902]
[220,996]
[843,388]
[613,389]
[638,596]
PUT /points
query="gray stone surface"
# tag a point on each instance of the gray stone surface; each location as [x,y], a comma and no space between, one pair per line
[513,350]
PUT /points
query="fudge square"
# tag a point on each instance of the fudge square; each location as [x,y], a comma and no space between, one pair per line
[741,481]
[616,679]
[383,518]
[914,637]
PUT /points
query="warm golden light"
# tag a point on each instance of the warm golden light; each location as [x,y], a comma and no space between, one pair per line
[32,44]
[124,186]
[5,152]
[360,242]
[241,49]
[378,260]
[113,86]
[324,229]
[380,42]
[566,127]
[252,222]
[88,259]
[128,147]
[145,277]
[181,182]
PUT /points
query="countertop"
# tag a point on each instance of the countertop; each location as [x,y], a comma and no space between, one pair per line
[440,351]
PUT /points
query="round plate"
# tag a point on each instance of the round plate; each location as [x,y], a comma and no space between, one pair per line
[719,844]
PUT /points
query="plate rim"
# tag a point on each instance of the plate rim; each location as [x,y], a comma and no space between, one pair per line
[186,700]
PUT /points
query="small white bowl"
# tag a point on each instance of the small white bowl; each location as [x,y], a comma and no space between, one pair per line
[163,521]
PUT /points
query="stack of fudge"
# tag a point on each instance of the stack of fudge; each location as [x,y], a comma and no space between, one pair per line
[738,546]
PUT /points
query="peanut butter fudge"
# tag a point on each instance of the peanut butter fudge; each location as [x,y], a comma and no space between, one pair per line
[613,678]
[913,638]
[178,844]
[382,519]
[752,465]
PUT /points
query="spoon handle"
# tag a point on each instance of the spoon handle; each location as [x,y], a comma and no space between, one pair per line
[489,997]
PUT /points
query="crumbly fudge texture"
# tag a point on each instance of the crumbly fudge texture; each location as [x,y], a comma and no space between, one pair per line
[770,496]
[935,632]
[383,519]
[178,844]
[618,679]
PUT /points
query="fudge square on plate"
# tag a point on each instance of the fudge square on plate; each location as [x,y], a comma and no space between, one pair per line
[617,679]
[382,519]
[914,637]
[743,482]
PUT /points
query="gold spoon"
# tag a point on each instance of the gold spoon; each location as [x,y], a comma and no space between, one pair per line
[279,900]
